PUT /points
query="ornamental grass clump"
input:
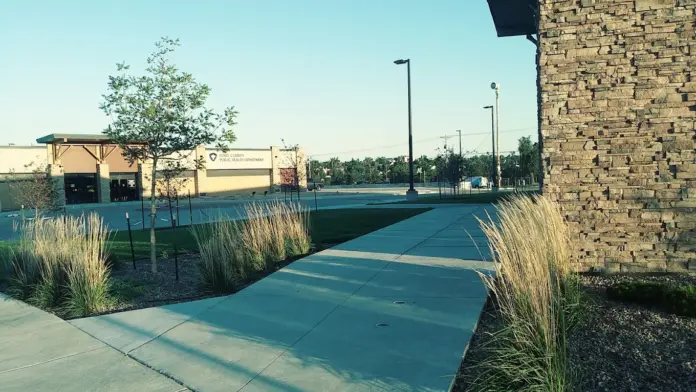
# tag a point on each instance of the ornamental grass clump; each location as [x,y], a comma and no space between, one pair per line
[536,294]
[59,264]
[269,234]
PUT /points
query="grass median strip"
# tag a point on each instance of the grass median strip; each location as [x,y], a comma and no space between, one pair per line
[59,267]
[326,227]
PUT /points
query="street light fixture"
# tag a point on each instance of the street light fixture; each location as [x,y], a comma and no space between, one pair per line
[411,194]
[495,86]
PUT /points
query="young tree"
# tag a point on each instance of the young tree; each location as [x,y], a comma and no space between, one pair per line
[37,190]
[295,162]
[161,114]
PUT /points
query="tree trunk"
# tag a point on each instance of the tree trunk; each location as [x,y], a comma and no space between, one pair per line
[153,218]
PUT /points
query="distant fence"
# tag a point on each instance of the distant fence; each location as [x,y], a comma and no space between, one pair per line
[367,186]
[525,183]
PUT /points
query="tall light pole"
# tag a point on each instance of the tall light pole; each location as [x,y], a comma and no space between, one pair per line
[493,140]
[411,194]
[495,86]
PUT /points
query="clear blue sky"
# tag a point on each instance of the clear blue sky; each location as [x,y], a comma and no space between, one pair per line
[318,73]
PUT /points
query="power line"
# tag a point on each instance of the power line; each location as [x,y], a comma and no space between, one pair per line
[374,148]
[418,141]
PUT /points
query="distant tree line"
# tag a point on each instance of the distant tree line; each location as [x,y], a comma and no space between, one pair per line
[446,166]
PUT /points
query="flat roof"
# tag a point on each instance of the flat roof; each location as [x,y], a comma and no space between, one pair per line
[72,138]
[514,17]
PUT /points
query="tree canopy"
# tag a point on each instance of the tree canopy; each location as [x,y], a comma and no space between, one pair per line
[522,164]
[160,117]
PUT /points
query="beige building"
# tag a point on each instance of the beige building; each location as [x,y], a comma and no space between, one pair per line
[91,169]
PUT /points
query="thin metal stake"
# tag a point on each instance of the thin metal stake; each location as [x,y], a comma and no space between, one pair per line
[142,209]
[130,238]
[190,209]
[316,208]
[176,252]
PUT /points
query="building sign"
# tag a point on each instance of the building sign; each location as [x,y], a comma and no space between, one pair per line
[238,159]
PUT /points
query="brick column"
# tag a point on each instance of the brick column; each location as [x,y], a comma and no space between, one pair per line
[103,183]
[618,93]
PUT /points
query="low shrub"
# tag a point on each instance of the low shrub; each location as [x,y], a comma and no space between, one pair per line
[231,250]
[59,264]
[679,299]
[537,296]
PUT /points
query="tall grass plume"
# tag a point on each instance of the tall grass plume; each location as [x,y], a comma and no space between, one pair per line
[60,264]
[231,250]
[537,298]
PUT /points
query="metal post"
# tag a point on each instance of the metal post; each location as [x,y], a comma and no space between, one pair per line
[316,208]
[410,128]
[492,139]
[176,252]
[190,209]
[497,136]
[297,173]
[177,203]
[130,238]
[171,213]
[142,210]
[461,160]
[411,194]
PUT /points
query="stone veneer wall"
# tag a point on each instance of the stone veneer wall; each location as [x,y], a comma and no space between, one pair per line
[618,113]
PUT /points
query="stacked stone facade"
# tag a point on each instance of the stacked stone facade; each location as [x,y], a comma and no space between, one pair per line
[618,119]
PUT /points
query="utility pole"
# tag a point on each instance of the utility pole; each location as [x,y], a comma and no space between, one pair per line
[445,139]
[446,155]
[459,131]
[461,159]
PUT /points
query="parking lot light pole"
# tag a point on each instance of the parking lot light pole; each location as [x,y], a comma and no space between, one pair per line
[496,87]
[411,194]
[493,141]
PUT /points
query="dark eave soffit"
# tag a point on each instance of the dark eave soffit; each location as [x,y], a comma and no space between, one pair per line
[513,17]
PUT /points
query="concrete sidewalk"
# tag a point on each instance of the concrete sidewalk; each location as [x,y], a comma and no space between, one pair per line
[393,310]
[40,352]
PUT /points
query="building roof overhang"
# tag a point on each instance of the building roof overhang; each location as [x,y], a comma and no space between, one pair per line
[56,138]
[514,17]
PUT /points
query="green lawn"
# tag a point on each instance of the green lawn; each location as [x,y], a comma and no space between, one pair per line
[327,228]
[472,198]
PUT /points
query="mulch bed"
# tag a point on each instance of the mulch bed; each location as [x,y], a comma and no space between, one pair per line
[618,346]
[140,288]
[626,347]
